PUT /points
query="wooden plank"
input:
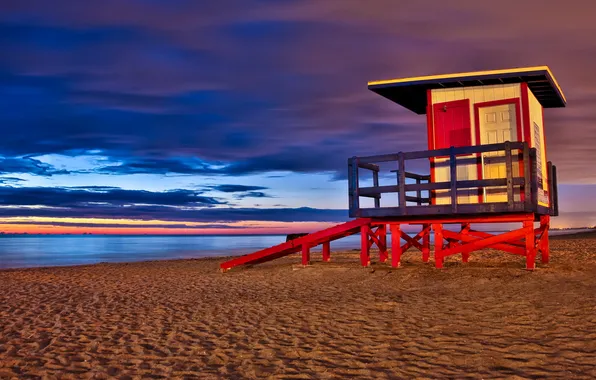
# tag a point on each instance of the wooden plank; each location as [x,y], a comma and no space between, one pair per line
[373,167]
[418,194]
[463,209]
[422,177]
[474,183]
[453,179]
[455,219]
[402,183]
[440,152]
[509,171]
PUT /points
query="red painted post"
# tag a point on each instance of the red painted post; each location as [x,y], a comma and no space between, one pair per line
[438,228]
[465,256]
[383,253]
[305,254]
[426,243]
[544,244]
[530,247]
[395,245]
[326,251]
[364,245]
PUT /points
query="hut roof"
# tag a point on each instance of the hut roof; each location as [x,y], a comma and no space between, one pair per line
[411,92]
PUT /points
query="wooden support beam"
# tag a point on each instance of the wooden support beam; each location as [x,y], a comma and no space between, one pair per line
[544,244]
[425,242]
[438,229]
[364,245]
[465,238]
[327,251]
[411,241]
[382,234]
[395,245]
[465,229]
[530,246]
[305,254]
[491,241]
[518,242]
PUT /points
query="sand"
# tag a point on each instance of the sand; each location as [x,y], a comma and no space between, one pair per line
[185,319]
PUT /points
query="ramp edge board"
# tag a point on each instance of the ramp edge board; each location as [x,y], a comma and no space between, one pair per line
[313,239]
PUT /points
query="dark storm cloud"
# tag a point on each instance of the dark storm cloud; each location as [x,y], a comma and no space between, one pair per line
[254,194]
[102,197]
[27,165]
[175,205]
[258,86]
[220,215]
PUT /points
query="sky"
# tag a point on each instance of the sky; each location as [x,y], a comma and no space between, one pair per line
[238,116]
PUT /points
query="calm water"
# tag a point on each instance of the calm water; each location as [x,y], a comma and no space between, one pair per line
[39,251]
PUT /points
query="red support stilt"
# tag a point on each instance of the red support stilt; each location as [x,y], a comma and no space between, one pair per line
[426,243]
[395,245]
[305,254]
[438,228]
[365,245]
[382,233]
[530,245]
[326,251]
[544,244]
[465,228]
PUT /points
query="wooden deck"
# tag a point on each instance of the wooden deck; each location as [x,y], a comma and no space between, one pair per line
[411,202]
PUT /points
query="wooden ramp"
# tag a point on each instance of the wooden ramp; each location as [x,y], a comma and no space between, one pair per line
[303,244]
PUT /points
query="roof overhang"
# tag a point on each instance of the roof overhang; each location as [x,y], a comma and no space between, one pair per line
[411,92]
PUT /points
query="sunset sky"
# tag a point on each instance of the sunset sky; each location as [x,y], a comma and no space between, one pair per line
[238,116]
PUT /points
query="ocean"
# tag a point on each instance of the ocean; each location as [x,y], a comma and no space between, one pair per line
[22,251]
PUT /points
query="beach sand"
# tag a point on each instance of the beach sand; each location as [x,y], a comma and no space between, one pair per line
[184,319]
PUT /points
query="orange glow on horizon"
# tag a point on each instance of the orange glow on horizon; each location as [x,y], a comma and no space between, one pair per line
[149,227]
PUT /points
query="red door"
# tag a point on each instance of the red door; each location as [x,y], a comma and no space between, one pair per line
[452,124]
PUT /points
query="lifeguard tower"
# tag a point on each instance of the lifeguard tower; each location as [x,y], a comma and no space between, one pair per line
[486,161]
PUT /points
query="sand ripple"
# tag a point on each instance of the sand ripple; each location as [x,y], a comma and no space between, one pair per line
[184,319]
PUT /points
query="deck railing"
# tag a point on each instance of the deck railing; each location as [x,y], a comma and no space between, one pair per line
[527,184]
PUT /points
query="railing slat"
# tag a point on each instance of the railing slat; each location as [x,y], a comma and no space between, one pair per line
[527,182]
[467,184]
[453,179]
[402,183]
[441,152]
[509,171]
[376,184]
